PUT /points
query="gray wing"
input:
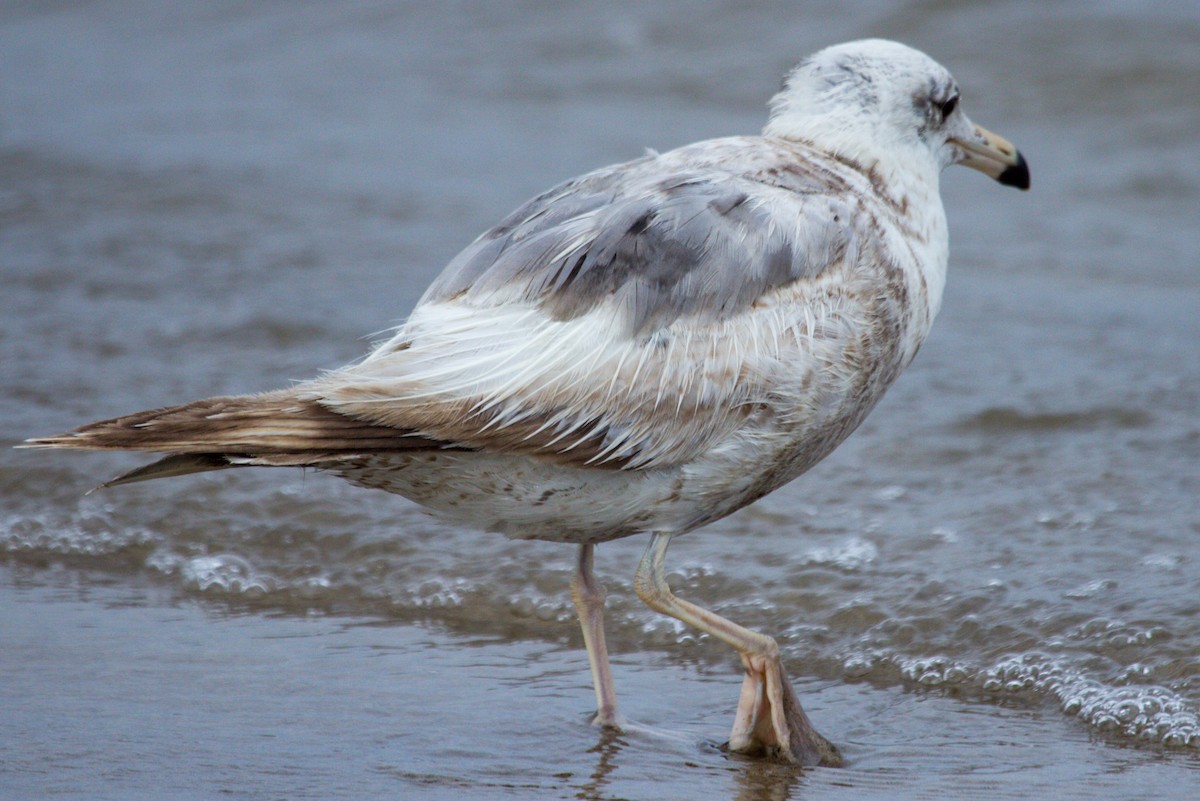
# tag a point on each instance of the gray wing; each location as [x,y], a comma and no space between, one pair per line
[661,245]
[703,275]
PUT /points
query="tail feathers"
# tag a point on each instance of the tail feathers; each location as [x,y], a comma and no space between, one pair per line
[243,425]
[271,429]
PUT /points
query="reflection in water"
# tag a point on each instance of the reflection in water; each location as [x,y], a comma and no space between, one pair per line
[767,781]
[610,745]
[753,779]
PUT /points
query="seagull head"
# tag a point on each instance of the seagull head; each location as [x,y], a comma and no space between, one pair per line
[888,106]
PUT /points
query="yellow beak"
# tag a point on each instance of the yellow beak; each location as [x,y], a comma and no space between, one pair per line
[994,156]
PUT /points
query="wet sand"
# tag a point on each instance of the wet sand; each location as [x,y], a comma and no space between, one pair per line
[114,691]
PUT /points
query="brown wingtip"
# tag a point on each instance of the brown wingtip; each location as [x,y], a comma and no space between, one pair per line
[177,464]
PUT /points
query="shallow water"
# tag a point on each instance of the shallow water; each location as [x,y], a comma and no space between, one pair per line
[992,588]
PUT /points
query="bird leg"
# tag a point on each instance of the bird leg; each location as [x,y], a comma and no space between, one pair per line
[769,719]
[589,603]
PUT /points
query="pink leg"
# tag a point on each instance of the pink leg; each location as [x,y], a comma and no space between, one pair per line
[769,719]
[589,603]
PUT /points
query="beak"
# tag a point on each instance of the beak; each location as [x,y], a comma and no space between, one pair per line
[995,156]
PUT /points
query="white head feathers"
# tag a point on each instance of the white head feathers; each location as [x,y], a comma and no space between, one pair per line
[871,97]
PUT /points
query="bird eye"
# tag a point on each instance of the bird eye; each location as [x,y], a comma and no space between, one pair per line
[949,106]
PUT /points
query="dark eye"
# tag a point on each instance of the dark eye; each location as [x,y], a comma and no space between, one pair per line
[949,106]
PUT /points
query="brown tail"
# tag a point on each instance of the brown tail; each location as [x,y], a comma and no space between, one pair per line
[273,429]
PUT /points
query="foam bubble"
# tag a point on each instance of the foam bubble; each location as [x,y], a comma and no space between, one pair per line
[1145,712]
[225,574]
[1091,588]
[439,593]
[1149,713]
[90,533]
[852,554]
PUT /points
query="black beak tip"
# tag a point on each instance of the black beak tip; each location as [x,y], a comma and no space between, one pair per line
[1017,175]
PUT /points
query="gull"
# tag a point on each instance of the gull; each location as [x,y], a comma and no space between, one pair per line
[645,349]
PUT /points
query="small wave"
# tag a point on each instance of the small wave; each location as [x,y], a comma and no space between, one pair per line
[1147,713]
[89,536]
[1005,419]
[226,574]
[852,554]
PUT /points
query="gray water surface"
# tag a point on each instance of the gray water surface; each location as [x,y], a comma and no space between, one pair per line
[992,590]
